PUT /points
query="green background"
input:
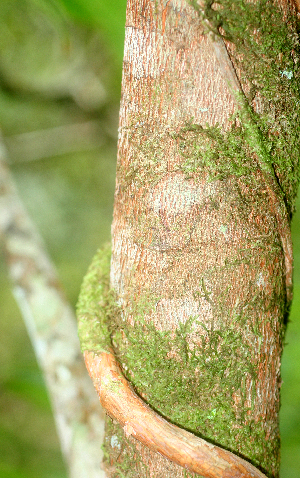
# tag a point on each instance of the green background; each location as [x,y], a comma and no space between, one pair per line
[46,48]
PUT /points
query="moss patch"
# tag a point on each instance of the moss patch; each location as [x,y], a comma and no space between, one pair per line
[208,150]
[96,304]
[263,43]
[174,373]
[174,378]
[202,386]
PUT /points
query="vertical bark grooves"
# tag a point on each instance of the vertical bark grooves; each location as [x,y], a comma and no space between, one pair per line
[186,247]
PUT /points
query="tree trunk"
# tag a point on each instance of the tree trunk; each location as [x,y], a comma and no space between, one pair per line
[201,254]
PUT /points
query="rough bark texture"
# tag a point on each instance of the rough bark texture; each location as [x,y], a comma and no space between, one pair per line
[201,256]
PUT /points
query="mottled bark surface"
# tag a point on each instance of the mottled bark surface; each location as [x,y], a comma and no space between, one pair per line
[191,250]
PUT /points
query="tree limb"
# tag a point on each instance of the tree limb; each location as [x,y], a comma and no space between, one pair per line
[52,329]
[46,143]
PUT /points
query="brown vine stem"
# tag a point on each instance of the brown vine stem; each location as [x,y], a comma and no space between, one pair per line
[139,420]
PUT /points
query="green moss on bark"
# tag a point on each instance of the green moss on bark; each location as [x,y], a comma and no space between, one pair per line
[263,44]
[175,370]
[174,376]
[96,304]
[170,369]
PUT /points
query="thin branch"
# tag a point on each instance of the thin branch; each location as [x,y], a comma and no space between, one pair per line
[140,421]
[52,329]
[50,142]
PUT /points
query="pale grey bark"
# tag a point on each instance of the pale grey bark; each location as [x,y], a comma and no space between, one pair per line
[51,325]
[46,143]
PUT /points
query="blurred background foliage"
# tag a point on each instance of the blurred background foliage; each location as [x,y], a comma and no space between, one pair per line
[60,79]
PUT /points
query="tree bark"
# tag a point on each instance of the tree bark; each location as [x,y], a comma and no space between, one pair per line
[201,251]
